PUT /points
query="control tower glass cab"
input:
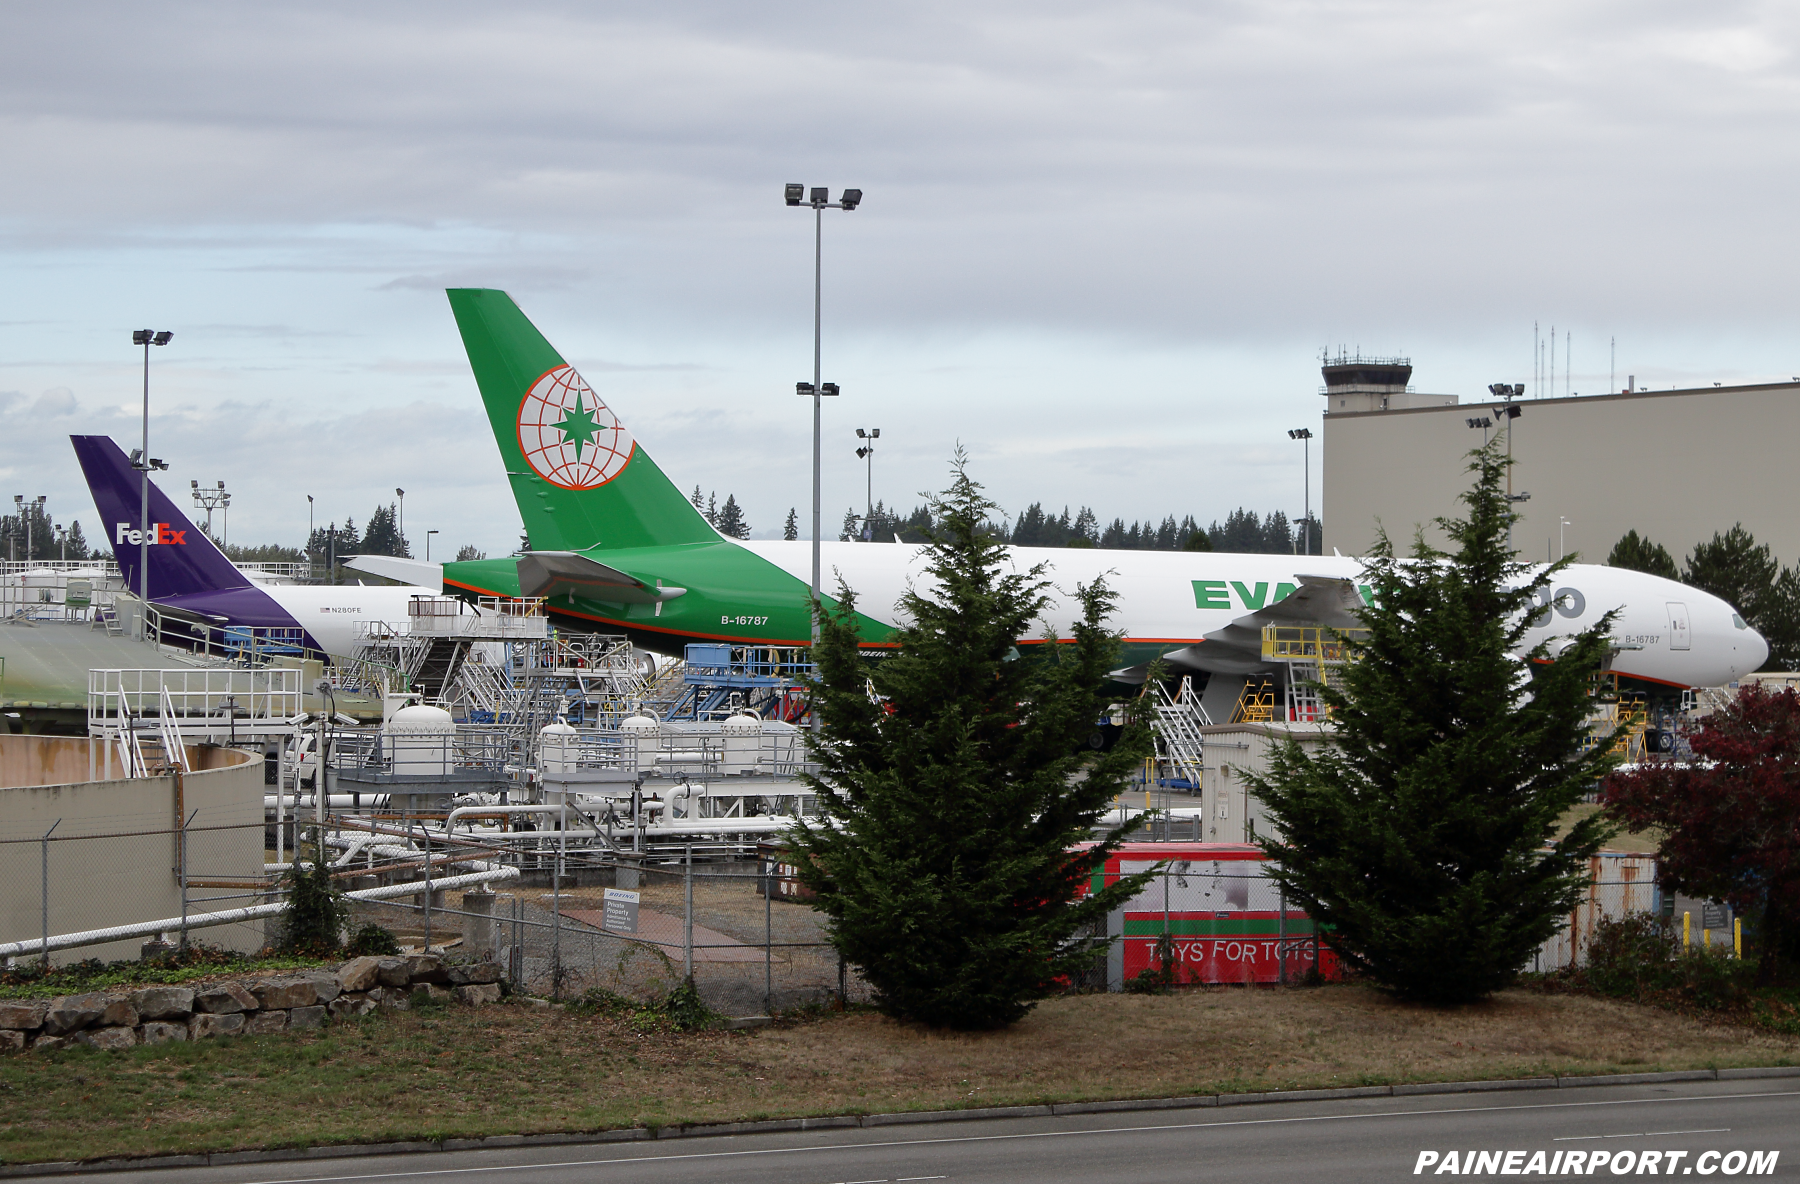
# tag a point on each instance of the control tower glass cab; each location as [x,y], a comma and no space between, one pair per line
[1354,383]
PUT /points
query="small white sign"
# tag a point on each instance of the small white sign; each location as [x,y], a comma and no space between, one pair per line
[619,910]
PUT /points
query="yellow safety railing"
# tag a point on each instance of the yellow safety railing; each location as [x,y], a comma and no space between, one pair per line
[1288,643]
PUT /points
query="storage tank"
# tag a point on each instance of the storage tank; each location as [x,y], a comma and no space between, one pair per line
[557,752]
[42,585]
[742,734]
[646,730]
[421,740]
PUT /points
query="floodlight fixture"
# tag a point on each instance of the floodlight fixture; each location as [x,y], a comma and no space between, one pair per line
[821,196]
[162,338]
[803,388]
[862,452]
[829,388]
[141,336]
[1479,421]
[852,198]
[1300,433]
[795,193]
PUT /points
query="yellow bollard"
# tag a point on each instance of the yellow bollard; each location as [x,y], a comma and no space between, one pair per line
[1737,936]
[1687,924]
[1706,938]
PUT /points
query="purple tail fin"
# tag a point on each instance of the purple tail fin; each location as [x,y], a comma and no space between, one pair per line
[182,558]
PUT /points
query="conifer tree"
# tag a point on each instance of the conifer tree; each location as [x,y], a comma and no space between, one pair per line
[731,519]
[1640,554]
[945,858]
[790,530]
[1421,837]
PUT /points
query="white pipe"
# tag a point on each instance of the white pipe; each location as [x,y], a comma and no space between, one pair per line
[337,801]
[94,937]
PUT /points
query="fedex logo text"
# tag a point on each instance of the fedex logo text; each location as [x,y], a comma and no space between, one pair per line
[161,535]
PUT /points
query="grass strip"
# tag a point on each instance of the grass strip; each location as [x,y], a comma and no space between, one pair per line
[452,1072]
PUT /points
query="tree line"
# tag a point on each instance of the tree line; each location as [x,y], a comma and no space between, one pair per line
[1738,570]
[1243,531]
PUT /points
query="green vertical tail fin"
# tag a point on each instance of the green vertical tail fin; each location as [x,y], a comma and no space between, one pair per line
[579,478]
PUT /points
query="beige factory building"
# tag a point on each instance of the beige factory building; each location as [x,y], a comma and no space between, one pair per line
[1674,465]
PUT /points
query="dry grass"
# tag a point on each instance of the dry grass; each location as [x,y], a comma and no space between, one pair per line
[447,1072]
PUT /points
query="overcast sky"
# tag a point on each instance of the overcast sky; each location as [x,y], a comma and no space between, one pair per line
[1102,245]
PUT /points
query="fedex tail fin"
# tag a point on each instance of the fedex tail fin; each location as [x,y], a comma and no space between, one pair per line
[579,478]
[182,558]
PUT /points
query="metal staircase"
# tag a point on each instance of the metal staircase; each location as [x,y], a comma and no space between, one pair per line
[1179,741]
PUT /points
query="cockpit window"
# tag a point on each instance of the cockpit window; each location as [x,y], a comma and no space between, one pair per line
[1737,622]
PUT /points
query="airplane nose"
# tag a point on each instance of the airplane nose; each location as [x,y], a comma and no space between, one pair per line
[1758,650]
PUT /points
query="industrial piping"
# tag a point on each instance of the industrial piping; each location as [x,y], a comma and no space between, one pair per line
[95,937]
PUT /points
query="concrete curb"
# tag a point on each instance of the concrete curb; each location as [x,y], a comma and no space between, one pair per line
[836,1121]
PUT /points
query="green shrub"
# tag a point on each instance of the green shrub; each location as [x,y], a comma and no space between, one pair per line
[1158,978]
[313,922]
[1632,955]
[372,939]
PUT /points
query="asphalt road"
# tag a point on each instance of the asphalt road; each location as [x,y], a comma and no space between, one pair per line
[1372,1139]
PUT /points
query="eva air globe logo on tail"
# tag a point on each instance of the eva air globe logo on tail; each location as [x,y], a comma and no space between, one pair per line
[568,436]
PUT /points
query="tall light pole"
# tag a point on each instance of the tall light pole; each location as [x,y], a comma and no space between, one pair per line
[12,536]
[820,201]
[867,453]
[27,511]
[1305,434]
[209,500]
[428,535]
[143,462]
[309,535]
[1561,524]
[400,526]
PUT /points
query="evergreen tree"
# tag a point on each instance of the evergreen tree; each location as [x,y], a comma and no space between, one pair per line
[1310,534]
[711,513]
[78,544]
[1198,541]
[1740,571]
[1640,554]
[917,527]
[1241,533]
[1086,526]
[1028,531]
[1113,537]
[731,519]
[699,501]
[790,530]
[852,528]
[1278,537]
[1421,839]
[468,553]
[382,537]
[266,553]
[946,858]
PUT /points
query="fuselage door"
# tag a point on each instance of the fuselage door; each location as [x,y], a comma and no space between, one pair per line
[1680,636]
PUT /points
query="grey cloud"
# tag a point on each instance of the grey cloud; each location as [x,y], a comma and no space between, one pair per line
[58,400]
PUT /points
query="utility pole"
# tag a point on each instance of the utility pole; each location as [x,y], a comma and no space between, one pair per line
[144,463]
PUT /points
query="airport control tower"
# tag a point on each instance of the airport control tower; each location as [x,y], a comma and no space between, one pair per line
[1355,383]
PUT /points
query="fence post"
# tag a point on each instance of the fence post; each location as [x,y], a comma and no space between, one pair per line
[44,891]
[1281,936]
[425,838]
[185,823]
[768,886]
[687,941]
[480,901]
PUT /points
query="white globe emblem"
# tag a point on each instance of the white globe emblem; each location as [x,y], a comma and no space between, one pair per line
[568,436]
